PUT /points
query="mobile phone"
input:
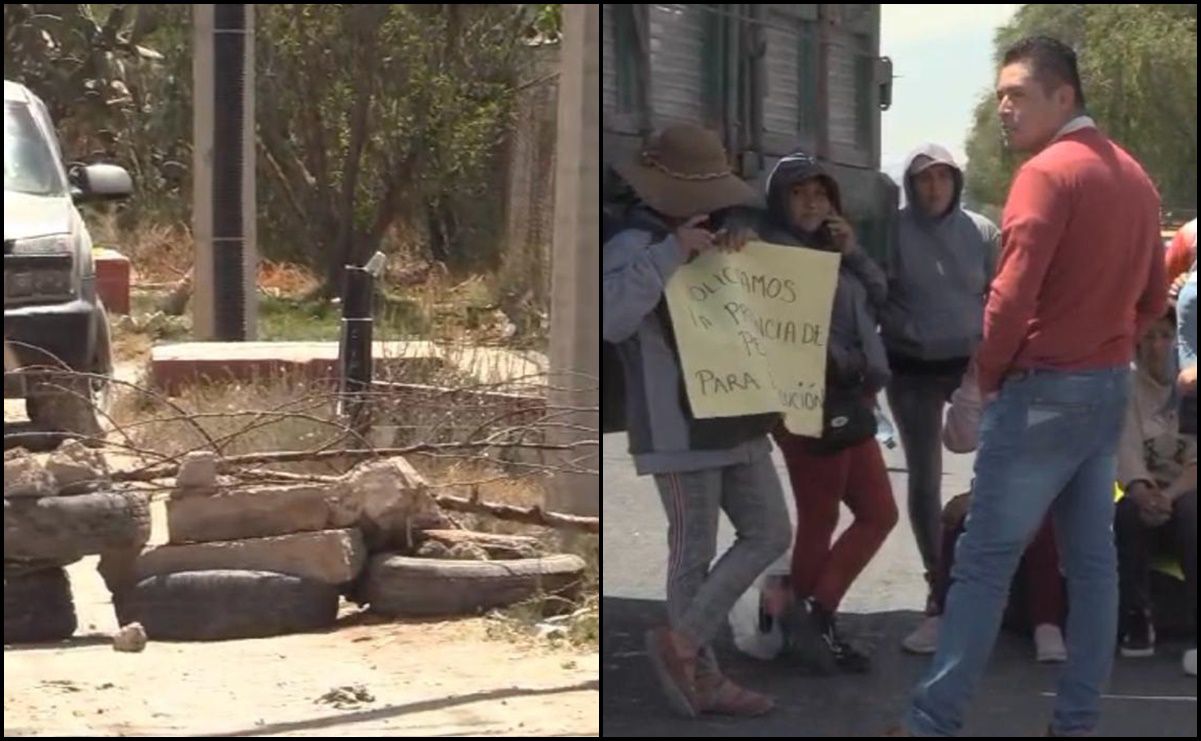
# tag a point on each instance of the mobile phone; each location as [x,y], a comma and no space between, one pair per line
[825,235]
[716,220]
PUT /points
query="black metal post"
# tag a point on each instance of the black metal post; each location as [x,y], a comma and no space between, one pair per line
[354,352]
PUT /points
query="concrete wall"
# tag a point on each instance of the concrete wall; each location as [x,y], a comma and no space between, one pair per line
[575,295]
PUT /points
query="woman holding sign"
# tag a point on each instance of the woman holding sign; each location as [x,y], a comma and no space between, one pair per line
[702,467]
[845,464]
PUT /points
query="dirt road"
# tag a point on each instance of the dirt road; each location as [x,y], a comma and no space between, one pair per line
[427,680]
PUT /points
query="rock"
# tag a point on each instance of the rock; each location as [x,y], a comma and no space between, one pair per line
[494,544]
[78,468]
[347,698]
[130,639]
[255,513]
[433,549]
[197,474]
[389,500]
[468,552]
[24,476]
[551,632]
[330,556]
[155,323]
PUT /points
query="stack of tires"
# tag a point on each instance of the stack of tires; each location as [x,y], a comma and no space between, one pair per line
[243,561]
[55,514]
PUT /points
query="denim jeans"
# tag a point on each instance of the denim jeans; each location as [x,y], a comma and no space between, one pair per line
[1047,442]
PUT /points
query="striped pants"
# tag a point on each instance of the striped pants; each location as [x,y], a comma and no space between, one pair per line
[701,592]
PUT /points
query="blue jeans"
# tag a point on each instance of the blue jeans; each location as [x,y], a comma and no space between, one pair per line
[1186,324]
[1047,442]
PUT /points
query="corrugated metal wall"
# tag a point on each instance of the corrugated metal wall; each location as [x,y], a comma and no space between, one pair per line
[609,63]
[835,115]
[843,53]
[677,34]
[782,100]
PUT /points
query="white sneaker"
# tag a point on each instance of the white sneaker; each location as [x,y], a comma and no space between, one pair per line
[924,640]
[1048,644]
[1190,662]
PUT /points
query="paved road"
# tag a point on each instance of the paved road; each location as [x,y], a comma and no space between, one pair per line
[1147,698]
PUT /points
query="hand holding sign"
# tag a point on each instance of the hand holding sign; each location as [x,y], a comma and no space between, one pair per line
[694,238]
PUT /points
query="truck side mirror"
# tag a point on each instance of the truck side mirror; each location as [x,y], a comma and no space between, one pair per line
[884,81]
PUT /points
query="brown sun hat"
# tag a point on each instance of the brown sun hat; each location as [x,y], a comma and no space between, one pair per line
[682,172]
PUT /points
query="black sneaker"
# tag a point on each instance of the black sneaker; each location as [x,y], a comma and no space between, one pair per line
[814,640]
[1138,636]
[805,641]
[847,657]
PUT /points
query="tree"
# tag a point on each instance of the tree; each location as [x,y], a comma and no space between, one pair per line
[1138,65]
[112,95]
[369,114]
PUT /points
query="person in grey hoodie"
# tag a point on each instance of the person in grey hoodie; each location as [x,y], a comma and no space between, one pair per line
[702,467]
[938,281]
[844,465]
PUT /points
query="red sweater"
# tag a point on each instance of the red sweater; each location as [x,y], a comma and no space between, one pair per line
[1081,272]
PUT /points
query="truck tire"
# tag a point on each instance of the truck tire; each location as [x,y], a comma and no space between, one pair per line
[405,586]
[68,528]
[226,605]
[38,607]
[65,403]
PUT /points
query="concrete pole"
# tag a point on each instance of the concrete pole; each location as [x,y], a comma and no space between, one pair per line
[204,108]
[575,282]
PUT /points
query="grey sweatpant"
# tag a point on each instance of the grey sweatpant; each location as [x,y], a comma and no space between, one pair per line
[700,593]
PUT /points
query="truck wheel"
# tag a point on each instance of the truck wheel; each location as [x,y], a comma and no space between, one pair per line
[65,403]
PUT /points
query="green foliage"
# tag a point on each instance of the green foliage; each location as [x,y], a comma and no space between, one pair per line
[117,79]
[1138,64]
[368,116]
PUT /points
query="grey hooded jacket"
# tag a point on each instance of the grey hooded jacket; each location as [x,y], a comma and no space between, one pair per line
[938,276]
[636,263]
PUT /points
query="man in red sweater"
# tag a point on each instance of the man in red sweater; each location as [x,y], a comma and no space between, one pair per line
[1080,276]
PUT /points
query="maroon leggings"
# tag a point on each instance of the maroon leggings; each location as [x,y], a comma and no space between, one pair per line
[1037,592]
[856,475]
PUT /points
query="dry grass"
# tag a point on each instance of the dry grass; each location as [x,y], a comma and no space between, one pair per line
[552,619]
[265,415]
[159,253]
[417,298]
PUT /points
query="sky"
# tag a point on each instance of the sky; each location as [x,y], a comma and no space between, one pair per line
[942,61]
